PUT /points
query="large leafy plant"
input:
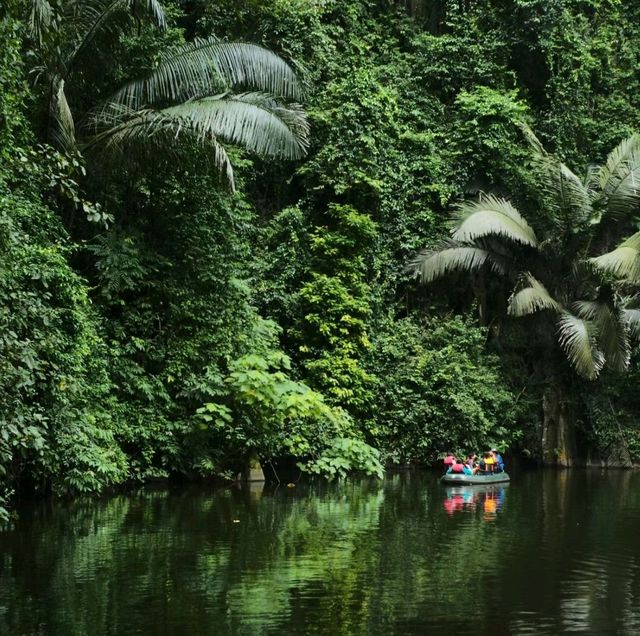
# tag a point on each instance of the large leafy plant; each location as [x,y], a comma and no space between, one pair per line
[207,90]
[259,409]
[552,268]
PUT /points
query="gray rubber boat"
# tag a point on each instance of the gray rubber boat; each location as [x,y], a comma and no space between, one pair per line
[475,480]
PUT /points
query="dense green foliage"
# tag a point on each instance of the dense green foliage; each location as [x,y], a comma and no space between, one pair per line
[57,429]
[594,319]
[156,322]
[437,388]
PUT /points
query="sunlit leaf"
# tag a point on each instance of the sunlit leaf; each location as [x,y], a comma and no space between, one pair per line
[432,264]
[207,66]
[61,124]
[577,339]
[622,262]
[492,216]
[620,178]
[532,298]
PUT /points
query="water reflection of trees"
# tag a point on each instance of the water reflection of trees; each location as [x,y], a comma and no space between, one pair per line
[356,558]
[579,555]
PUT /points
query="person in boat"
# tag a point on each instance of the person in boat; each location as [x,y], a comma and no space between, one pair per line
[459,468]
[488,462]
[449,461]
[471,463]
[499,461]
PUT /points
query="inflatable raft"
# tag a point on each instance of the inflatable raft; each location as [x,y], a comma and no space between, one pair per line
[475,480]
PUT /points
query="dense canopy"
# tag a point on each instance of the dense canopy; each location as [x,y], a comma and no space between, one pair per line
[217,221]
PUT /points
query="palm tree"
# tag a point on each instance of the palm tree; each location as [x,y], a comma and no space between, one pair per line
[207,90]
[555,274]
[622,263]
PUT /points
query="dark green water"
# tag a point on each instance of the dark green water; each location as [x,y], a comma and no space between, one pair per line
[551,553]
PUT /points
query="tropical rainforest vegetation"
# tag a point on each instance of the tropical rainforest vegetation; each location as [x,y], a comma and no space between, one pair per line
[217,220]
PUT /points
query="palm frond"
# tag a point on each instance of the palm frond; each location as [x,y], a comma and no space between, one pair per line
[592,180]
[577,340]
[569,198]
[433,264]
[532,139]
[612,332]
[632,319]
[624,200]
[620,178]
[40,19]
[154,10]
[622,262]
[61,129]
[492,216]
[616,160]
[613,336]
[531,299]
[256,122]
[207,66]
[87,18]
[586,309]
[631,302]
[120,129]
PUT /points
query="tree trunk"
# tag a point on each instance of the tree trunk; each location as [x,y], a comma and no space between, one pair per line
[253,470]
[479,288]
[558,427]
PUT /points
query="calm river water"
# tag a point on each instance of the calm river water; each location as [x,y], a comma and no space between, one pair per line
[551,553]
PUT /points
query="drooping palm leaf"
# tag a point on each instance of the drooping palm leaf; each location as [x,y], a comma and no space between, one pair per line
[532,139]
[492,216]
[632,318]
[614,338]
[532,298]
[122,129]
[620,178]
[40,19]
[256,122]
[253,121]
[432,264]
[622,262]
[569,198]
[80,21]
[154,10]
[207,66]
[61,129]
[592,180]
[577,340]
[616,159]
[624,200]
[84,20]
[611,329]
[586,309]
